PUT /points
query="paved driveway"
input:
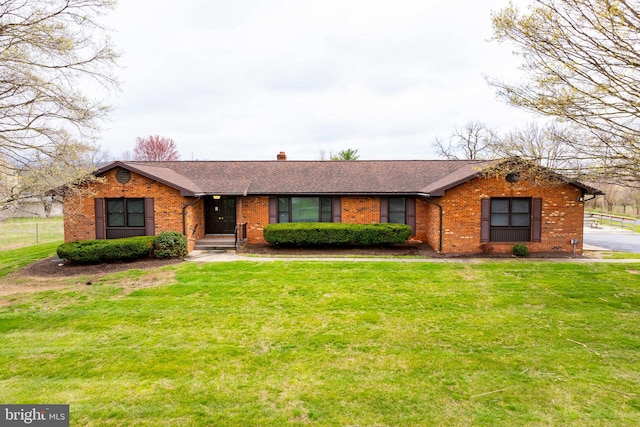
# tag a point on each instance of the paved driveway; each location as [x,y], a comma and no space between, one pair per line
[613,239]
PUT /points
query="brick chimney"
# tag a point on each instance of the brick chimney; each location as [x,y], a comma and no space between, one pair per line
[281,156]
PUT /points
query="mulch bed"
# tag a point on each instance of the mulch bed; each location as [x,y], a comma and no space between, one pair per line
[51,267]
[357,251]
[414,250]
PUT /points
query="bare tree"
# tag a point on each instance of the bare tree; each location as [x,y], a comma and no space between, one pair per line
[154,148]
[582,59]
[610,196]
[47,51]
[549,145]
[473,141]
[48,180]
[625,199]
[636,201]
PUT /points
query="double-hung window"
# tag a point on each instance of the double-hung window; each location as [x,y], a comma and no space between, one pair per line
[397,210]
[304,209]
[510,219]
[125,217]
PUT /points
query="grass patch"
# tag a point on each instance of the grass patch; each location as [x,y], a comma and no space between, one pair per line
[620,255]
[17,258]
[19,232]
[335,343]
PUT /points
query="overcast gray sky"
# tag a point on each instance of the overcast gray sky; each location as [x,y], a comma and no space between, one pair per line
[245,79]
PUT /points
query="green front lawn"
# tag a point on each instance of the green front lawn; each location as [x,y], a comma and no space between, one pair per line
[17,258]
[333,344]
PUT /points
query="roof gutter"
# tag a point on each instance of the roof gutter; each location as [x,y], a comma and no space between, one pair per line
[428,199]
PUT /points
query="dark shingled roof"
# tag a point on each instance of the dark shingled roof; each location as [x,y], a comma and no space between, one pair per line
[363,177]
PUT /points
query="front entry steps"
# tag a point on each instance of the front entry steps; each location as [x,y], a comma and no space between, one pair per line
[216,242]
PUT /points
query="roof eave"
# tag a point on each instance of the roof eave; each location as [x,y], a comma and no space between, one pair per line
[335,193]
[586,189]
[183,191]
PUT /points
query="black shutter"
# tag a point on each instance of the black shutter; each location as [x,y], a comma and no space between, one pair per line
[536,232]
[384,210]
[273,210]
[99,215]
[485,220]
[336,209]
[149,218]
[410,213]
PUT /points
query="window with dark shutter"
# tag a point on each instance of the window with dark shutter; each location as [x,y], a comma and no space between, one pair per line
[126,217]
[149,217]
[485,220]
[384,210]
[536,231]
[273,210]
[336,203]
[305,209]
[411,214]
[509,219]
[99,215]
[398,210]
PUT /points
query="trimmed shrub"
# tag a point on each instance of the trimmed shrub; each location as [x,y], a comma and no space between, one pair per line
[97,251]
[170,244]
[335,234]
[520,250]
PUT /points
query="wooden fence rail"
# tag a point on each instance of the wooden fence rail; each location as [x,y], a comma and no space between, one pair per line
[594,219]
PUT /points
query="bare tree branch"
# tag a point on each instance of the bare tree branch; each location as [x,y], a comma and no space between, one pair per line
[473,141]
[582,62]
[49,52]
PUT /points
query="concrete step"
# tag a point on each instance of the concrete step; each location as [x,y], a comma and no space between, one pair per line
[216,243]
[211,247]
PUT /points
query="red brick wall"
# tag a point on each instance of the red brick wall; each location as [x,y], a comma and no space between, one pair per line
[428,223]
[360,210]
[354,210]
[79,216]
[562,214]
[366,210]
[194,220]
[254,210]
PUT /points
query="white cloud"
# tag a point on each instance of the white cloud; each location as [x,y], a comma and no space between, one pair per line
[246,79]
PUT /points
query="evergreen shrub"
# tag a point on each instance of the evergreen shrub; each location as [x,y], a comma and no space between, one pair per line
[170,244]
[335,234]
[520,250]
[113,250]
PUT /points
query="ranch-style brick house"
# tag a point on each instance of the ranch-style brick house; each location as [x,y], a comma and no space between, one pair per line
[454,206]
